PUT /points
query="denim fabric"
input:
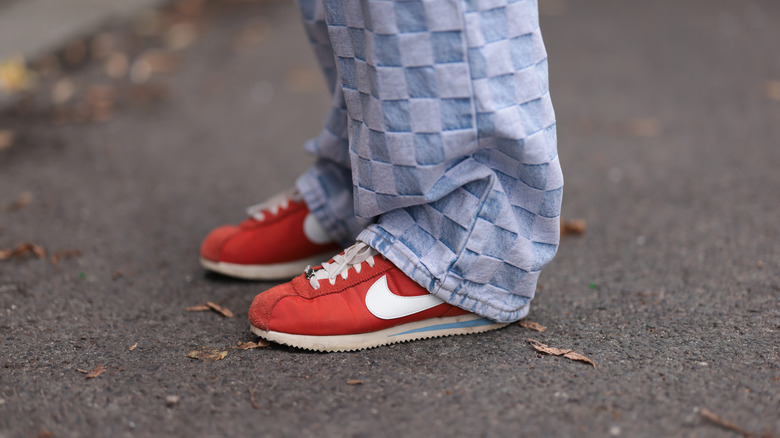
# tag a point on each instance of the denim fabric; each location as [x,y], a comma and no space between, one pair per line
[441,144]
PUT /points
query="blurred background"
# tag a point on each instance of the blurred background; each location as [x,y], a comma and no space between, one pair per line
[129,129]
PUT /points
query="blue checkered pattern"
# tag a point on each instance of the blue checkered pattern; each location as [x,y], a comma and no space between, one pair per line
[441,144]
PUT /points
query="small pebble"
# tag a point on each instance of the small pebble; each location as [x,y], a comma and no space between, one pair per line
[171,400]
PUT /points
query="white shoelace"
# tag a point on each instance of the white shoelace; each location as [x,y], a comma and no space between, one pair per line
[353,257]
[273,205]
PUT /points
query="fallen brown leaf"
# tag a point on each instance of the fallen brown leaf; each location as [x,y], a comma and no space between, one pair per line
[55,258]
[15,76]
[150,23]
[573,227]
[219,309]
[45,433]
[102,45]
[261,343]
[532,325]
[22,249]
[132,347]
[252,35]
[100,369]
[709,415]
[207,354]
[117,275]
[252,398]
[146,93]
[7,138]
[62,91]
[200,308]
[76,52]
[772,90]
[21,202]
[181,35]
[117,65]
[569,354]
[354,382]
[641,127]
[300,79]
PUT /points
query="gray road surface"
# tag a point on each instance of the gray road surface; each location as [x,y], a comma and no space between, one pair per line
[669,130]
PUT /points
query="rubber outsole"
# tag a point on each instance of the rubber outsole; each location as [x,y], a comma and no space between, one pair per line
[426,329]
[278,271]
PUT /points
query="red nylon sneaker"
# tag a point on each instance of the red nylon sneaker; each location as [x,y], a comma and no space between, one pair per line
[278,241]
[358,300]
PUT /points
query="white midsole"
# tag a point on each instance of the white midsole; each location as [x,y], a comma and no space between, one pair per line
[276,271]
[419,330]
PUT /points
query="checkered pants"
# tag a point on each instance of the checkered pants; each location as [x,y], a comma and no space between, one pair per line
[440,148]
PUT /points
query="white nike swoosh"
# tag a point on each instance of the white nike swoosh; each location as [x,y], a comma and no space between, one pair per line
[314,231]
[384,304]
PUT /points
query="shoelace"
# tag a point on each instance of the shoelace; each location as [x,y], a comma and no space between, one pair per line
[273,205]
[353,257]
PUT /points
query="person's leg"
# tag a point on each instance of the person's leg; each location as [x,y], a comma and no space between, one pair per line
[452,148]
[452,144]
[327,185]
[299,227]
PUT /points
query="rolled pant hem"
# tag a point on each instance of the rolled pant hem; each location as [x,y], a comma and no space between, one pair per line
[395,251]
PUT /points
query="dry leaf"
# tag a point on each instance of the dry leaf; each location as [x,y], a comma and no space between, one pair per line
[7,138]
[252,398]
[573,227]
[160,61]
[149,24]
[22,249]
[76,52]
[641,127]
[117,65]
[201,308]
[261,343]
[117,275]
[569,354]
[145,93]
[100,369]
[82,371]
[103,45]
[132,347]
[15,76]
[181,36]
[253,34]
[55,258]
[219,309]
[21,202]
[532,325]
[62,91]
[190,8]
[45,433]
[300,79]
[207,354]
[354,382]
[708,414]
[772,90]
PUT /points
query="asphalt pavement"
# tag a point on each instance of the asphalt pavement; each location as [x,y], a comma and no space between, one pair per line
[669,135]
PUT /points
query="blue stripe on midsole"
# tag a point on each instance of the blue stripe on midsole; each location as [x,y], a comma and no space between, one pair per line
[452,325]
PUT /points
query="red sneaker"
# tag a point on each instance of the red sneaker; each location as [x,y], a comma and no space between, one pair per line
[357,300]
[278,240]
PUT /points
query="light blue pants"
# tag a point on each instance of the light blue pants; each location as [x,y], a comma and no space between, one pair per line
[440,148]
